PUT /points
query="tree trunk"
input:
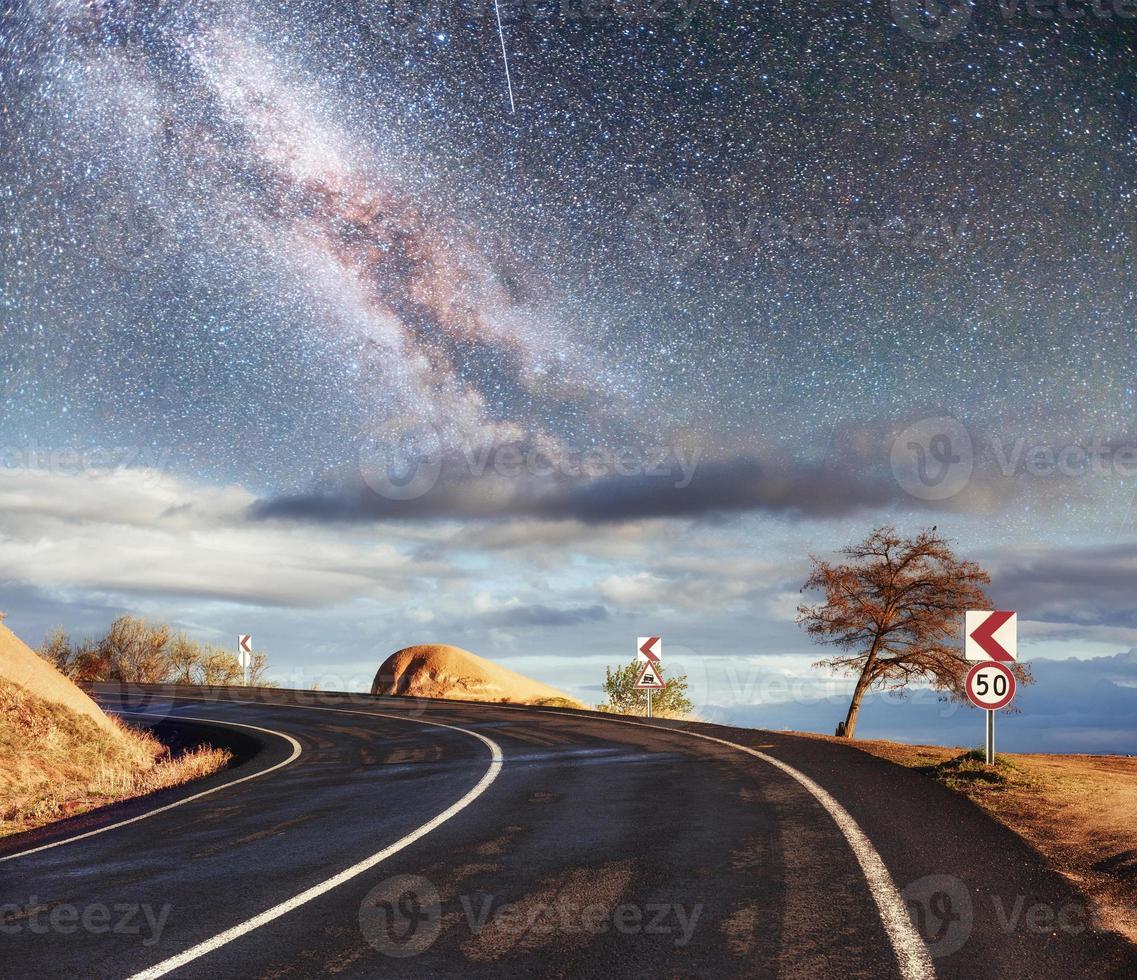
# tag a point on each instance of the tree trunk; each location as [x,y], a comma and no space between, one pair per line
[859,692]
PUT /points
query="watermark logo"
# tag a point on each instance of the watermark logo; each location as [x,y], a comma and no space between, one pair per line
[408,15]
[933,459]
[672,922]
[129,234]
[937,21]
[943,912]
[96,462]
[401,916]
[940,909]
[404,466]
[679,13]
[670,229]
[401,463]
[666,230]
[932,21]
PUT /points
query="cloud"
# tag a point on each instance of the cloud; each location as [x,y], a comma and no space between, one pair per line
[1083,586]
[541,615]
[686,579]
[138,531]
[739,484]
[642,588]
[486,610]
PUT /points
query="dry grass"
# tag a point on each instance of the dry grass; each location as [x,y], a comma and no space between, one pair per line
[55,763]
[1077,811]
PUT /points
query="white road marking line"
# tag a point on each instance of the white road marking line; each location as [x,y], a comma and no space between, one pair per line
[269,915]
[296,751]
[911,951]
[912,956]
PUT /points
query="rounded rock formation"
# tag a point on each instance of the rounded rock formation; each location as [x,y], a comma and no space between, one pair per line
[439,671]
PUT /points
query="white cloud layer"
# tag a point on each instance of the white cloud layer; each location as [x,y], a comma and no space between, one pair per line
[144,531]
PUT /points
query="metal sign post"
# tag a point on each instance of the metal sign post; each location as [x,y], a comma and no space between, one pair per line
[990,685]
[245,656]
[649,653]
[650,679]
[990,637]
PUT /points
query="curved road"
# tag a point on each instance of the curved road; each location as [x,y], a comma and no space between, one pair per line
[363,837]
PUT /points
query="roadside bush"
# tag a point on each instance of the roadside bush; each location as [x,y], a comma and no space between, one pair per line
[136,651]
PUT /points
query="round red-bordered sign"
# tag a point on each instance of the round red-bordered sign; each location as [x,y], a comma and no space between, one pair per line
[990,685]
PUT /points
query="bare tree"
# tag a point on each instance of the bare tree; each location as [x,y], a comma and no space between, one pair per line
[185,660]
[624,699]
[258,666]
[895,606]
[89,664]
[219,667]
[136,650]
[56,649]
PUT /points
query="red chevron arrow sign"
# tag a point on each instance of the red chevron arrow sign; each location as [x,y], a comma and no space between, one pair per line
[649,648]
[990,635]
[245,643]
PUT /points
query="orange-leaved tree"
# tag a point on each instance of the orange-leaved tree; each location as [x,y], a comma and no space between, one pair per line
[894,608]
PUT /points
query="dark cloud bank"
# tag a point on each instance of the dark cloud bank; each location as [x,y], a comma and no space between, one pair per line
[735,485]
[1073,706]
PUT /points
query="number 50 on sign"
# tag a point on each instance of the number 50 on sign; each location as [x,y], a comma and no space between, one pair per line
[990,685]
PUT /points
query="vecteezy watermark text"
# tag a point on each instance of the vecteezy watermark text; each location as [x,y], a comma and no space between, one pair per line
[595,918]
[73,461]
[943,912]
[670,228]
[935,458]
[402,917]
[937,21]
[64,919]
[406,465]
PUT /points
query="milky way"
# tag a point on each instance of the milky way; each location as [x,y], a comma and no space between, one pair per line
[259,233]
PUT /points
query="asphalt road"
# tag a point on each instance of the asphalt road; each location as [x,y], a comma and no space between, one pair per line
[359,837]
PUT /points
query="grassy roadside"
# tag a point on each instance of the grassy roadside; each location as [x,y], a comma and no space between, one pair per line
[1078,811]
[55,763]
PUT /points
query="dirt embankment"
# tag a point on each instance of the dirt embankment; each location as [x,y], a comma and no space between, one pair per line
[61,755]
[56,763]
[21,665]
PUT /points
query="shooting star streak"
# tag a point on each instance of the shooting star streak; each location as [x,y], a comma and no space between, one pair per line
[504,55]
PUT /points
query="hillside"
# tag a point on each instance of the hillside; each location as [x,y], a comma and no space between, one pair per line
[56,763]
[21,665]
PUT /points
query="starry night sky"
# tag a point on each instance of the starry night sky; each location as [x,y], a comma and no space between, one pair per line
[276,244]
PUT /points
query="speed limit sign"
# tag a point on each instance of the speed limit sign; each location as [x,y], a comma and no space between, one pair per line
[990,685]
